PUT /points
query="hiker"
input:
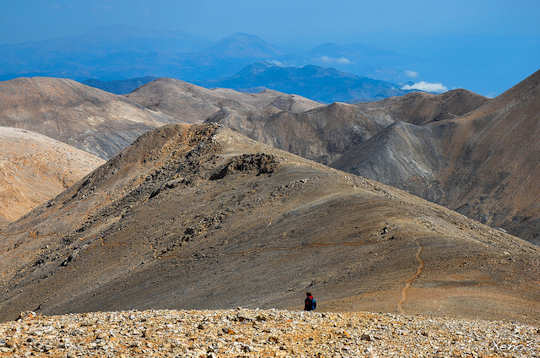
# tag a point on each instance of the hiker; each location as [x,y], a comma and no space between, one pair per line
[310,303]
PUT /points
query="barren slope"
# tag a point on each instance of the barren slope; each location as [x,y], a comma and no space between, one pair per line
[485,164]
[421,108]
[35,168]
[326,133]
[189,103]
[322,134]
[87,118]
[202,217]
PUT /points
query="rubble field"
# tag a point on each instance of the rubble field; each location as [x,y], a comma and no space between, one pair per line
[262,333]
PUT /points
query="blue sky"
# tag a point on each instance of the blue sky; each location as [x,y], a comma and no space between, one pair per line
[458,39]
[277,20]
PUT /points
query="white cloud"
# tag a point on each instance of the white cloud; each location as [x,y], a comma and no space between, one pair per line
[426,86]
[276,63]
[411,74]
[340,60]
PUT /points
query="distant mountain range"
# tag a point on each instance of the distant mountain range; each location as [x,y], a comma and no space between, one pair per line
[120,86]
[120,53]
[318,83]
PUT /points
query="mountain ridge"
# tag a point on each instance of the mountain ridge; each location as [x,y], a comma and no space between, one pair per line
[85,117]
[201,216]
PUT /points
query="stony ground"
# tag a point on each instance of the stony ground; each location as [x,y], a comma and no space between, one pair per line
[261,333]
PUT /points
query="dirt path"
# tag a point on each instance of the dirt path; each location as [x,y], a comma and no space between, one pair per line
[411,279]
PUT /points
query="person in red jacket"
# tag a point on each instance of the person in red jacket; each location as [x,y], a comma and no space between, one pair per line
[310,303]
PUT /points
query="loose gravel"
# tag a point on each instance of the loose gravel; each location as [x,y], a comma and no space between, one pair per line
[261,333]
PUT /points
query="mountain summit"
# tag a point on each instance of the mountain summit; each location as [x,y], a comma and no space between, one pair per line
[242,45]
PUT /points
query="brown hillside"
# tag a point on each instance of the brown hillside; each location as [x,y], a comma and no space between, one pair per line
[202,217]
[500,175]
[421,108]
[326,133]
[485,164]
[322,134]
[188,103]
[35,168]
[95,121]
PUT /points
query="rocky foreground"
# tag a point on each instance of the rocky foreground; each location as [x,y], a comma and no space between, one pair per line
[256,333]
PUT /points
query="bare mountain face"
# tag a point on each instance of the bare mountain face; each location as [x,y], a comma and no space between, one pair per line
[84,117]
[188,103]
[326,133]
[477,156]
[322,134]
[35,168]
[102,124]
[201,216]
[485,164]
[421,108]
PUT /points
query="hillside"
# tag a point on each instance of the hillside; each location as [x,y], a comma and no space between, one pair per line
[485,164]
[188,103]
[35,168]
[325,133]
[317,83]
[203,217]
[84,117]
[322,134]
[421,108]
[425,144]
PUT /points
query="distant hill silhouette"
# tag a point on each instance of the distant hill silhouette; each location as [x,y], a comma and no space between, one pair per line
[241,45]
[119,86]
[314,82]
[121,52]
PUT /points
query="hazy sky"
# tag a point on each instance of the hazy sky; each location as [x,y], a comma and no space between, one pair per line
[483,45]
[276,20]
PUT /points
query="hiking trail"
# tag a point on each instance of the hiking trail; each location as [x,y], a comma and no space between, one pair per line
[411,279]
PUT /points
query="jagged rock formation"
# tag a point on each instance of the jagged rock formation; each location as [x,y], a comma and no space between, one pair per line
[34,168]
[84,117]
[202,217]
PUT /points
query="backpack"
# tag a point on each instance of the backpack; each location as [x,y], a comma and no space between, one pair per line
[313,303]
